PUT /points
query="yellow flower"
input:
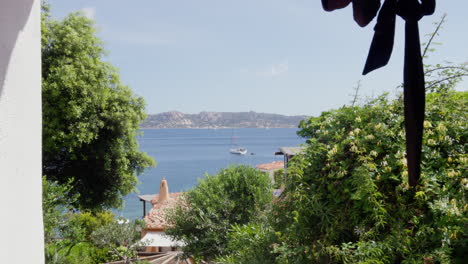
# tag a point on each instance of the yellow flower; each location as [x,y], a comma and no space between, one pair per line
[403,162]
[441,128]
[451,174]
[333,151]
[463,159]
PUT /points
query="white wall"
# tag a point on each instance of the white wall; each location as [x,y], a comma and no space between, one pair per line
[21,231]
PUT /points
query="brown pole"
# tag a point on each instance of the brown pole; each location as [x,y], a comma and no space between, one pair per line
[414,100]
[413,89]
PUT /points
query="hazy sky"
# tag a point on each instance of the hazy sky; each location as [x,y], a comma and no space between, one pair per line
[277,56]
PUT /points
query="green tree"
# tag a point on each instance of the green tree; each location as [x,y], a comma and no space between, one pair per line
[67,233]
[122,237]
[89,221]
[235,196]
[90,120]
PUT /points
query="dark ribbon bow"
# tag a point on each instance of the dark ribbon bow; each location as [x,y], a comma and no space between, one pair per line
[380,51]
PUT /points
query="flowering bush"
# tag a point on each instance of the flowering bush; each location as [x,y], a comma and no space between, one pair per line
[347,199]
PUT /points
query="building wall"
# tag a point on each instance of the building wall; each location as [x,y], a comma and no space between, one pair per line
[21,228]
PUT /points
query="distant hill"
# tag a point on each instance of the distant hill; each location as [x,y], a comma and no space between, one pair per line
[220,120]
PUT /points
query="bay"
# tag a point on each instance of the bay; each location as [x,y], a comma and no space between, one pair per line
[185,155]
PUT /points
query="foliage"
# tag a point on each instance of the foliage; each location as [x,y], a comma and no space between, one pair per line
[121,237]
[252,243]
[81,253]
[347,199]
[93,238]
[278,176]
[235,196]
[89,118]
[55,200]
[67,233]
[89,222]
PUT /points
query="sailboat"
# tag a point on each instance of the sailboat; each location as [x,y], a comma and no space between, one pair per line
[236,150]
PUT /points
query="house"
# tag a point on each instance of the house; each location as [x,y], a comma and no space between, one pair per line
[270,168]
[289,152]
[155,221]
[159,247]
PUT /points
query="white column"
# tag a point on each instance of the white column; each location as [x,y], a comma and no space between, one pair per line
[21,228]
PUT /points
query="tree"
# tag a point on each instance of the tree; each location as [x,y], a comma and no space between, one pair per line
[90,120]
[67,233]
[235,196]
[122,237]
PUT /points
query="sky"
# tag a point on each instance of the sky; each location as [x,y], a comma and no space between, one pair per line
[274,56]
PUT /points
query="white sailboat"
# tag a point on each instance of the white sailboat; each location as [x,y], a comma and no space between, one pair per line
[236,150]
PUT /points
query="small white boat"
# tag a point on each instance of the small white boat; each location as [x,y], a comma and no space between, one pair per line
[238,151]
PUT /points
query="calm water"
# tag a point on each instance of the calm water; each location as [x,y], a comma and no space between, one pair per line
[185,155]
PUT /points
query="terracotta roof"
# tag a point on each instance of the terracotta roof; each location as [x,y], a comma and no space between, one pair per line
[156,218]
[276,165]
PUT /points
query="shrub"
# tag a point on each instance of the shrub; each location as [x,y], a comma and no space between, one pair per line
[252,243]
[121,237]
[90,222]
[347,199]
[67,233]
[278,176]
[235,196]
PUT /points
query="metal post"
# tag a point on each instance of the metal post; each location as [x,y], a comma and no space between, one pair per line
[144,208]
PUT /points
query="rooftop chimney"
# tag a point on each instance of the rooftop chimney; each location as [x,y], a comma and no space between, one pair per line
[163,191]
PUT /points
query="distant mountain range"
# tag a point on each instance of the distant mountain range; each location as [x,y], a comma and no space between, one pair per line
[250,119]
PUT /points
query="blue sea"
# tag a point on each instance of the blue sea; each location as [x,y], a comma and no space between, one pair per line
[185,155]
